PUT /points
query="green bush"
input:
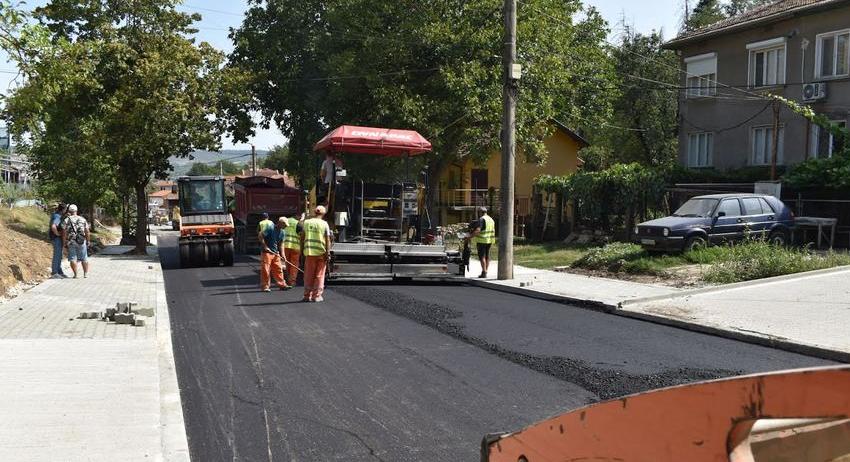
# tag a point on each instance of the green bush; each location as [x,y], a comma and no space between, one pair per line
[612,257]
[759,259]
[635,187]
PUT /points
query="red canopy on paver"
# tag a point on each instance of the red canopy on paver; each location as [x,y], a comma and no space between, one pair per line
[376,141]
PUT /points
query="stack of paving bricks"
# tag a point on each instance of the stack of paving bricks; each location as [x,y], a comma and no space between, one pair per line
[124,313]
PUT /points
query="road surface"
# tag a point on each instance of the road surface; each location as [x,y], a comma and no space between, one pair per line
[405,372]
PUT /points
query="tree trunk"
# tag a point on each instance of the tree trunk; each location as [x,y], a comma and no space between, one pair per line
[141,219]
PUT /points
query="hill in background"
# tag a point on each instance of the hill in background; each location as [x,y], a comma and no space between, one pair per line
[243,157]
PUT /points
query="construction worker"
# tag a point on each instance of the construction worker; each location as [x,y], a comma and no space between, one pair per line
[271,241]
[483,236]
[292,249]
[316,242]
[265,223]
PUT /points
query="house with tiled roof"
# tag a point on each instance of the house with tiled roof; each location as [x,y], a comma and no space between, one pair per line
[799,49]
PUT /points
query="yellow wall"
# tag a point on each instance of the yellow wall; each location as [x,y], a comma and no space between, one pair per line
[562,160]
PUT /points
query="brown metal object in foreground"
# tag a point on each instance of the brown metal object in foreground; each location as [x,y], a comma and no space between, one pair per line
[702,422]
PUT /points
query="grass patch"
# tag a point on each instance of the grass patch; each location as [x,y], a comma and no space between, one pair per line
[31,221]
[546,255]
[758,260]
[726,264]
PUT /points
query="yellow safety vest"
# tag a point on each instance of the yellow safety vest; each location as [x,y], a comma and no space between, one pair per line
[488,232]
[291,241]
[315,230]
[264,226]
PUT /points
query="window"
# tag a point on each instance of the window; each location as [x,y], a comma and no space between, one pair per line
[763,146]
[752,206]
[731,207]
[702,75]
[766,207]
[700,147]
[823,142]
[833,54]
[767,63]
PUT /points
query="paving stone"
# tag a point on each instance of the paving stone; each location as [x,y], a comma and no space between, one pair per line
[125,318]
[144,311]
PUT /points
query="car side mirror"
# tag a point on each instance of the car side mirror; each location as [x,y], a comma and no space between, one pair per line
[721,214]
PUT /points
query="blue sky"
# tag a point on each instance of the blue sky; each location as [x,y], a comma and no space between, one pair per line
[219,15]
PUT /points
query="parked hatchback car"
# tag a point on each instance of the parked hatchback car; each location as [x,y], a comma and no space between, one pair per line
[717,219]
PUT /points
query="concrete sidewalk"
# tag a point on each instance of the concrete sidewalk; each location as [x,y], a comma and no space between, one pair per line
[87,390]
[805,313]
[573,288]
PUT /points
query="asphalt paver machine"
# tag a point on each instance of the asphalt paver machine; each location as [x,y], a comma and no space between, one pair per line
[206,227]
[378,227]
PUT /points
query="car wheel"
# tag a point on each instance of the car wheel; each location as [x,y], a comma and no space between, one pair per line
[778,238]
[694,243]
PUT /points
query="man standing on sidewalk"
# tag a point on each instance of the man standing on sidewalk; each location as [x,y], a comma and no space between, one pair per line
[316,242]
[483,236]
[55,234]
[75,232]
[292,250]
[271,240]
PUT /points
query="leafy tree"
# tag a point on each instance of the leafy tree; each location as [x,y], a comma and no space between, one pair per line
[225,167]
[301,168]
[736,7]
[704,13]
[121,81]
[431,66]
[644,125]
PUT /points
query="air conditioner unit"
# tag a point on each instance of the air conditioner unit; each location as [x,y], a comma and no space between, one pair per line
[814,91]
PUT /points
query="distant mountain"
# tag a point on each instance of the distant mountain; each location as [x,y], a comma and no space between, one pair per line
[183,164]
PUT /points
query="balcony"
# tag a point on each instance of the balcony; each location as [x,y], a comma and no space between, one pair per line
[468,199]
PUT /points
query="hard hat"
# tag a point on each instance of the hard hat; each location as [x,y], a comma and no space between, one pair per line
[321,210]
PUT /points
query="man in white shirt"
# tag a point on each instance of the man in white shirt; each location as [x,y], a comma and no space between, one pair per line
[75,233]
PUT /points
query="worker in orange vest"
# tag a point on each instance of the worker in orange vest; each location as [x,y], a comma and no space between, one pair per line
[316,245]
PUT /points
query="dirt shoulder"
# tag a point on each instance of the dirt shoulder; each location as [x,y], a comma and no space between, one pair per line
[24,260]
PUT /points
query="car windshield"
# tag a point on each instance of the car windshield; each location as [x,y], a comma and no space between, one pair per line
[696,208]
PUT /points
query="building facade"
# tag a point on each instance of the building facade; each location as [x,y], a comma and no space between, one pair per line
[464,186]
[797,49]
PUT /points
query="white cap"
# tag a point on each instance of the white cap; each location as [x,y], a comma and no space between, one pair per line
[72,208]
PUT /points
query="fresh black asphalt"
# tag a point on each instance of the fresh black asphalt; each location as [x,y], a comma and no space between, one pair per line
[405,372]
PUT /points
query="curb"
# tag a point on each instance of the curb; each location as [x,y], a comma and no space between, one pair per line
[174,443]
[594,305]
[735,285]
[778,343]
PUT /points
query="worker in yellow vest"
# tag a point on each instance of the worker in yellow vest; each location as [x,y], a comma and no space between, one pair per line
[265,224]
[292,249]
[483,236]
[316,245]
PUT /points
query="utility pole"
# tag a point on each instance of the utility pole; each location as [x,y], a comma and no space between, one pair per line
[253,160]
[775,154]
[221,168]
[506,214]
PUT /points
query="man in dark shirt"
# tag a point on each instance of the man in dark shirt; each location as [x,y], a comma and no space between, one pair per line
[55,234]
[271,241]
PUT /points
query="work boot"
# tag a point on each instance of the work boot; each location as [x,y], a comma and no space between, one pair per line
[483,275]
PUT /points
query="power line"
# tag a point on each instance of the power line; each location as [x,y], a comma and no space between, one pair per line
[731,127]
[648,58]
[356,77]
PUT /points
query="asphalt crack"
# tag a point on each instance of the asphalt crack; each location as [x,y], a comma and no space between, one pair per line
[604,383]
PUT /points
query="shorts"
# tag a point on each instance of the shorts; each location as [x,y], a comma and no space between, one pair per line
[77,252]
[484,250]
